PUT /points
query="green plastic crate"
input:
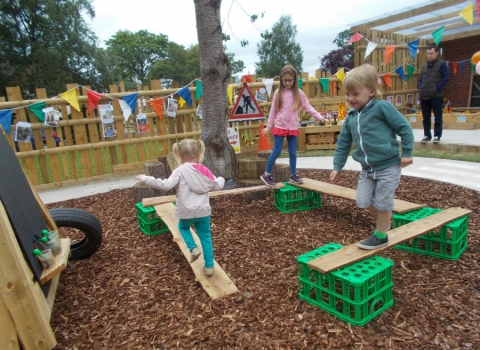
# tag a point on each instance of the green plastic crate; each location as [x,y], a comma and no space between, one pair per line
[152,229]
[446,242]
[148,215]
[291,199]
[356,293]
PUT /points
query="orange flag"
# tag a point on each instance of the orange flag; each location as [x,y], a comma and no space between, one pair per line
[263,144]
[386,78]
[158,106]
[455,68]
[388,52]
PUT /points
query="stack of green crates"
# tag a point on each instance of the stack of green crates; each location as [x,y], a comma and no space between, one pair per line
[356,293]
[149,222]
[447,242]
[290,199]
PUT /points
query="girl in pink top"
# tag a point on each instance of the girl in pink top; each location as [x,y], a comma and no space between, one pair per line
[283,122]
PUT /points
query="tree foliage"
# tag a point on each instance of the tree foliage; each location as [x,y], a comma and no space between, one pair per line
[278,48]
[45,43]
[341,57]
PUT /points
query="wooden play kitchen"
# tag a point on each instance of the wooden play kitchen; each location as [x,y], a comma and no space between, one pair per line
[318,137]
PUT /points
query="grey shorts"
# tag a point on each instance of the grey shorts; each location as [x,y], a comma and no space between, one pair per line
[377,188]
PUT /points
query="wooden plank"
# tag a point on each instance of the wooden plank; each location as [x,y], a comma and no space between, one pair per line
[352,253]
[59,262]
[344,192]
[217,285]
[8,334]
[151,202]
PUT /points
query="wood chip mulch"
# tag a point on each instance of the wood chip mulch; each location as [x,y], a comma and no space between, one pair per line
[139,292]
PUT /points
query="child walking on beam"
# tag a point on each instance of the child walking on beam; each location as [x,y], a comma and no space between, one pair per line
[372,125]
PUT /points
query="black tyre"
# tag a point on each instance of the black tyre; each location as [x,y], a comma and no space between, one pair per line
[81,227]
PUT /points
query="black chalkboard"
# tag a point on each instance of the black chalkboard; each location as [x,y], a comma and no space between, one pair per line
[23,210]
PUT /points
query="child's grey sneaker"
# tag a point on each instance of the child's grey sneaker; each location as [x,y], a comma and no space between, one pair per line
[373,242]
[208,271]
[296,179]
[268,180]
[436,139]
[194,254]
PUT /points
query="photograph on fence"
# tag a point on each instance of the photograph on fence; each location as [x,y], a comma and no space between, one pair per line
[199,111]
[142,123]
[418,98]
[23,132]
[109,128]
[410,98]
[261,95]
[390,99]
[172,108]
[105,111]
[52,116]
[399,99]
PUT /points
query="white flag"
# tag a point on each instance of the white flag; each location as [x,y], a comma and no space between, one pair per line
[127,111]
[268,84]
[370,47]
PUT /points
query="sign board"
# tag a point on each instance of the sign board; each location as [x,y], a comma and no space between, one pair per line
[413,119]
[461,119]
[234,139]
[246,107]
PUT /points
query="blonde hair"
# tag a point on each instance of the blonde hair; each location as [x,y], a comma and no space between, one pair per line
[189,151]
[288,69]
[361,76]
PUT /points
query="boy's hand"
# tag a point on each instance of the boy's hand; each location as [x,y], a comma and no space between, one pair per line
[334,176]
[138,177]
[406,161]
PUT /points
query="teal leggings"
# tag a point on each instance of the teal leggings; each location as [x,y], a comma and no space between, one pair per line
[202,226]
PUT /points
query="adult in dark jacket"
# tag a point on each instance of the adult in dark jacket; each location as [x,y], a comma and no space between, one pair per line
[431,84]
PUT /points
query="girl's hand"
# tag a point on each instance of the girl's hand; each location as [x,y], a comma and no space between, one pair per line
[334,176]
[406,161]
[138,177]
[265,131]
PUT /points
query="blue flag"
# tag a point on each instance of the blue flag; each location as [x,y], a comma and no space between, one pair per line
[131,101]
[401,72]
[6,120]
[462,67]
[412,47]
[185,94]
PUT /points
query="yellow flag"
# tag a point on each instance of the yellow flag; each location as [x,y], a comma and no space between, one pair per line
[71,97]
[230,93]
[467,13]
[340,74]
[181,101]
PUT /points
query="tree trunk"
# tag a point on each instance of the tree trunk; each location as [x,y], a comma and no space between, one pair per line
[219,155]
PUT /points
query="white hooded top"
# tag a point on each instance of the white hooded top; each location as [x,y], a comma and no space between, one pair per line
[192,182]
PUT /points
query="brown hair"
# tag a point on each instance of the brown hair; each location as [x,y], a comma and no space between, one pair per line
[365,75]
[288,69]
[189,151]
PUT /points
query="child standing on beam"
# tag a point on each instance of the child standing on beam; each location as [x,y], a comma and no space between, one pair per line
[372,125]
[192,181]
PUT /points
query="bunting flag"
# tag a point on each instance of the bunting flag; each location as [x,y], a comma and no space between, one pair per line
[401,73]
[181,102]
[127,111]
[246,78]
[356,37]
[230,93]
[6,120]
[198,89]
[370,47]
[37,109]
[467,13]
[324,84]
[462,67]
[131,101]
[478,8]
[93,99]
[268,84]
[437,35]
[300,83]
[71,97]
[158,106]
[388,53]
[387,80]
[185,95]
[340,74]
[332,88]
[455,68]
[410,70]
[412,47]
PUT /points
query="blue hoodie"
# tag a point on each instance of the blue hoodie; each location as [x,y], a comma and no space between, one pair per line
[373,131]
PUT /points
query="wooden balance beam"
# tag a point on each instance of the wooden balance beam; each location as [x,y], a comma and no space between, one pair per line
[344,192]
[352,253]
[217,285]
[154,201]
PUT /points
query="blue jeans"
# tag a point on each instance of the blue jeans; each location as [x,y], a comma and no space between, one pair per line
[435,104]
[277,149]
[202,226]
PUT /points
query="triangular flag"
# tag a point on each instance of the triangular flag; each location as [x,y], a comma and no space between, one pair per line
[37,109]
[455,68]
[230,93]
[324,84]
[300,83]
[71,97]
[478,8]
[127,111]
[387,80]
[181,102]
[462,67]
[93,99]
[467,13]
[370,47]
[356,37]
[412,47]
[410,70]
[246,78]
[401,73]
[340,74]
[132,101]
[198,89]
[6,120]
[263,144]
[158,107]
[437,35]
[388,53]
[332,88]
[268,84]
[185,94]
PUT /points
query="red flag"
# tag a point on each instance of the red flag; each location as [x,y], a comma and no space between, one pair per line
[247,78]
[388,53]
[158,106]
[455,66]
[386,78]
[356,37]
[478,7]
[93,99]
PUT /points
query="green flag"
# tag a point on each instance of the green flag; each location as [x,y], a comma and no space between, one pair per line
[324,82]
[198,91]
[37,110]
[410,70]
[437,35]
[300,83]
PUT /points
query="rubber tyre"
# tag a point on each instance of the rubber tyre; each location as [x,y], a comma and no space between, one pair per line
[85,222]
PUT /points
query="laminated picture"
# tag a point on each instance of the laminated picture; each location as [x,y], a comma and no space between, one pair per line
[261,95]
[105,111]
[142,123]
[52,116]
[399,99]
[199,111]
[23,132]
[172,108]
[109,128]
[390,99]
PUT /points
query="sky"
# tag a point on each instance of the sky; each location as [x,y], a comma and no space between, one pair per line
[318,22]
